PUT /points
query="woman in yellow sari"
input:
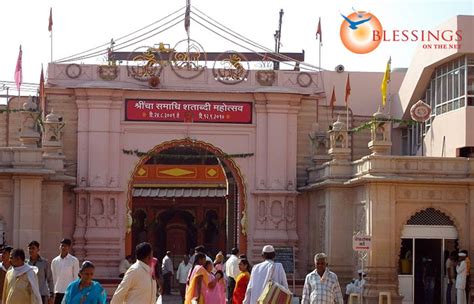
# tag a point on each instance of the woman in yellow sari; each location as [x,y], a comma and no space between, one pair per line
[198,280]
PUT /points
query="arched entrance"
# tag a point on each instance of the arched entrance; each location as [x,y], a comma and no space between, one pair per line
[184,193]
[427,239]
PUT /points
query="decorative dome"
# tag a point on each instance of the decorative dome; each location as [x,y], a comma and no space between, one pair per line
[379,115]
[52,117]
[29,105]
[338,125]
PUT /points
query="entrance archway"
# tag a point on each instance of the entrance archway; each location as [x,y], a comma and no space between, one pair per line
[427,239]
[183,193]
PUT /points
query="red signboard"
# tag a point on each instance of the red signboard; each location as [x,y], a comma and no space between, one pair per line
[188,111]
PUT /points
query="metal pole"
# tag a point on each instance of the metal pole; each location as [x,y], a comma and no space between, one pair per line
[7,139]
[51,60]
[421,138]
[294,269]
[276,63]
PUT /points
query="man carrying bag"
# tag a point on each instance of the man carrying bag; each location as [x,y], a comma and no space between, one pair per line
[268,283]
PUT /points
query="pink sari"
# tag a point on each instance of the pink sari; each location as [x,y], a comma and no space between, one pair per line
[215,295]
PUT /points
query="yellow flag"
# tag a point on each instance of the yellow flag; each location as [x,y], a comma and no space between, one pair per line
[385,81]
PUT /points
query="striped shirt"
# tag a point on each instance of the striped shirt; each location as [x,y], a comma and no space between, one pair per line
[322,290]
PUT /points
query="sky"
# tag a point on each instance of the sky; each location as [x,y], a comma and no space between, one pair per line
[82,25]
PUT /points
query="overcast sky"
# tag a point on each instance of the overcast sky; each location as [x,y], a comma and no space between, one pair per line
[81,25]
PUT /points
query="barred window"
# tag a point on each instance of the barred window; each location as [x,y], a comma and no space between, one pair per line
[431,217]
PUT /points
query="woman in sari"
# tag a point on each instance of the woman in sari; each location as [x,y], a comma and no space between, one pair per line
[219,261]
[215,292]
[198,280]
[241,282]
[84,290]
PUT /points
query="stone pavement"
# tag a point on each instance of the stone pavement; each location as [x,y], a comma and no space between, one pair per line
[174,298]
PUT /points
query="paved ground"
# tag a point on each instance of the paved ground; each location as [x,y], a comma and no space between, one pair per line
[172,299]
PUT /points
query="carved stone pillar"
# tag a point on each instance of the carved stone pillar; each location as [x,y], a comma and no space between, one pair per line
[319,144]
[98,234]
[339,142]
[380,133]
[383,258]
[29,136]
[52,142]
[274,213]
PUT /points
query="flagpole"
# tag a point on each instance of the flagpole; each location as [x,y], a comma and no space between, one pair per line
[50,29]
[389,96]
[320,55]
[51,60]
[347,116]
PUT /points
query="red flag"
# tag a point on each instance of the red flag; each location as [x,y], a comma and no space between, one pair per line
[50,25]
[19,71]
[319,34]
[348,89]
[333,100]
[41,92]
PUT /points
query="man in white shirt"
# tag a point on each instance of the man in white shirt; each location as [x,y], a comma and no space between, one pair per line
[65,269]
[321,285]
[167,269]
[138,285]
[461,270]
[124,265]
[232,271]
[182,275]
[261,275]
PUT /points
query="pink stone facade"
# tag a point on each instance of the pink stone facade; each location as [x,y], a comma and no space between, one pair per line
[302,187]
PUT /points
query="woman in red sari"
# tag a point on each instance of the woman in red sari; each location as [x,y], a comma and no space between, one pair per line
[241,282]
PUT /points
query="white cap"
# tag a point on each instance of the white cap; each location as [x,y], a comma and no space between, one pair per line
[360,271]
[462,254]
[268,249]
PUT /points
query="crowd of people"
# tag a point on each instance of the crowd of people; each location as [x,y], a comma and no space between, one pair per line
[201,280]
[35,280]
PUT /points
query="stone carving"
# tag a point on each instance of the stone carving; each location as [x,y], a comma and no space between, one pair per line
[322,229]
[82,211]
[276,212]
[361,219]
[290,215]
[276,184]
[266,78]
[111,207]
[52,128]
[291,185]
[97,207]
[108,72]
[29,136]
[262,214]
[304,79]
[338,135]
[98,180]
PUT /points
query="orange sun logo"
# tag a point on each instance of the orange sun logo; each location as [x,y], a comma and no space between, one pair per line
[357,32]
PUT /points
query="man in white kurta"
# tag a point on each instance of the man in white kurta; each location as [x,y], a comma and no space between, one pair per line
[21,283]
[261,275]
[138,285]
[461,270]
